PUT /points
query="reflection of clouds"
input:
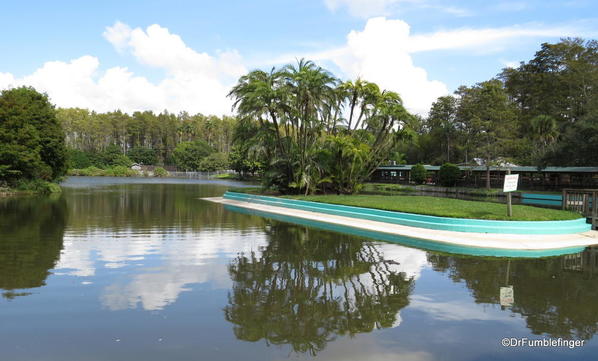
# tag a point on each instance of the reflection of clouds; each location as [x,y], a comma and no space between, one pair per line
[371,347]
[189,257]
[82,251]
[395,259]
[157,289]
[409,261]
[457,310]
[186,257]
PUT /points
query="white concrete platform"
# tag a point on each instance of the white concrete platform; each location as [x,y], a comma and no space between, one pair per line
[468,239]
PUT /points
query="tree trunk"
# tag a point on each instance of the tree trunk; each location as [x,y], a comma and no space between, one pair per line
[487,176]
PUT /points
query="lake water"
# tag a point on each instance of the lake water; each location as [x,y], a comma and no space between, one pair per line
[142,269]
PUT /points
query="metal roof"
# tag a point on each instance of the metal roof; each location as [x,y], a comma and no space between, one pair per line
[522,169]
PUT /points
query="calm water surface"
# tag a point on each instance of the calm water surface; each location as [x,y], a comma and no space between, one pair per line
[126,269]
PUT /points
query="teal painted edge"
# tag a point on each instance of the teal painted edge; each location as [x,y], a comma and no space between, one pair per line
[543,202]
[422,221]
[408,241]
[551,197]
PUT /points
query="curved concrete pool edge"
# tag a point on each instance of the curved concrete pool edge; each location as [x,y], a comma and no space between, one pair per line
[550,244]
[578,225]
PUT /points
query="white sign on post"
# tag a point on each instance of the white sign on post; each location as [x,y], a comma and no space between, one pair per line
[511,181]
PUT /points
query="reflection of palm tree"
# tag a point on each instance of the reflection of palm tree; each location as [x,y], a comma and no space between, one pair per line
[307,287]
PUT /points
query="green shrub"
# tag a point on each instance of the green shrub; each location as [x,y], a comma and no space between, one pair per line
[214,162]
[187,155]
[449,175]
[38,186]
[122,160]
[92,171]
[120,171]
[78,159]
[160,172]
[143,155]
[418,173]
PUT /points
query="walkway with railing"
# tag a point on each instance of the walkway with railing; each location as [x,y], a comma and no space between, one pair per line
[584,201]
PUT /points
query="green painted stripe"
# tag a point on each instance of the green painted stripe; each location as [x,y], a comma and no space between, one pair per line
[422,221]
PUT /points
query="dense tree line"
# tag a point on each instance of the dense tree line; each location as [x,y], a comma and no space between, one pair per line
[117,138]
[543,112]
[304,130]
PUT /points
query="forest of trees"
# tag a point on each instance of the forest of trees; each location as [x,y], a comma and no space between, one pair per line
[307,131]
[544,112]
[303,130]
[117,138]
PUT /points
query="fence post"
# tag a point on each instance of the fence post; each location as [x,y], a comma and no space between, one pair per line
[564,198]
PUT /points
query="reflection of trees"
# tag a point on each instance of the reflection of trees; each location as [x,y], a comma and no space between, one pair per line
[308,286]
[142,206]
[553,298]
[31,232]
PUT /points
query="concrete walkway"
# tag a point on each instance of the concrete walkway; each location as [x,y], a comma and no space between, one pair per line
[468,239]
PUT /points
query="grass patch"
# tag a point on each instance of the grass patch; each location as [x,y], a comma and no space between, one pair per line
[225,176]
[444,207]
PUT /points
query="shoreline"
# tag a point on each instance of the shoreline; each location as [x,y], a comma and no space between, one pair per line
[498,241]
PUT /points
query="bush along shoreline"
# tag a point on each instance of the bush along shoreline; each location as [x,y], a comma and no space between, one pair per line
[117,171]
[30,187]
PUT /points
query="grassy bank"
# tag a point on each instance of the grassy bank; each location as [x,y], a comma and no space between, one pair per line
[444,207]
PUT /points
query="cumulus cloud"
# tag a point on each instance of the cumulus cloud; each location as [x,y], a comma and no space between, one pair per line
[194,81]
[380,53]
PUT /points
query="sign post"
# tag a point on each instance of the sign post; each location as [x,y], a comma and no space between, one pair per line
[509,186]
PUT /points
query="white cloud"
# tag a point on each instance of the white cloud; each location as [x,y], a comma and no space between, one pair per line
[118,35]
[363,8]
[380,53]
[194,81]
[479,38]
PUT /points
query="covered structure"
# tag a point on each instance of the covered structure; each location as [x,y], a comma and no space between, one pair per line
[549,178]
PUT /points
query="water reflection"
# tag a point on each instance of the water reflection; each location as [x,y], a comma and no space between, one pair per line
[556,296]
[176,278]
[31,232]
[307,287]
[162,237]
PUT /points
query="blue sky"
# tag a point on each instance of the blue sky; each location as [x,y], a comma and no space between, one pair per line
[185,55]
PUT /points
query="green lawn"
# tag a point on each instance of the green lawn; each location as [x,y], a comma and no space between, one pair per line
[444,207]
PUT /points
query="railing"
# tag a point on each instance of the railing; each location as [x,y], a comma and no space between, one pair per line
[584,201]
[197,175]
